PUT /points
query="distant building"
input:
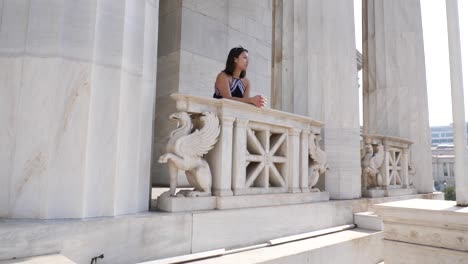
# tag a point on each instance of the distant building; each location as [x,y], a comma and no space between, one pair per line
[443,166]
[443,135]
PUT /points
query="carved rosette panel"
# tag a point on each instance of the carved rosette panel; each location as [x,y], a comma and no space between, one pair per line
[394,167]
[266,156]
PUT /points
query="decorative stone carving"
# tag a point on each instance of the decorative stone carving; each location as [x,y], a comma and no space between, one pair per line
[385,167]
[185,150]
[318,165]
[261,157]
[371,162]
[411,174]
[266,152]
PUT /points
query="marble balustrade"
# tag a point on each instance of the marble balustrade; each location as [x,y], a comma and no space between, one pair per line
[259,151]
[394,169]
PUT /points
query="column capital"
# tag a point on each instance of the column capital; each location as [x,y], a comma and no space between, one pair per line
[227,120]
[294,131]
[241,123]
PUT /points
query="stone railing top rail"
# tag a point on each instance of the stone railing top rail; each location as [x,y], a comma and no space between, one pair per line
[230,108]
[387,140]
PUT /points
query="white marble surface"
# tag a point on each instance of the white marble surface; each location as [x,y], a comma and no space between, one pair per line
[47,259]
[313,49]
[322,249]
[80,84]
[273,145]
[458,103]
[246,201]
[368,220]
[156,235]
[416,254]
[124,239]
[395,93]
[230,228]
[184,204]
[426,226]
[195,39]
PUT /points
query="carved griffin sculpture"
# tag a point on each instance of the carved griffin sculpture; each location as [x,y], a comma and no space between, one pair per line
[185,150]
[371,163]
[319,164]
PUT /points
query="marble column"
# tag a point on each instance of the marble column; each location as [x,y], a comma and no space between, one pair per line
[77,104]
[195,39]
[395,94]
[315,75]
[458,104]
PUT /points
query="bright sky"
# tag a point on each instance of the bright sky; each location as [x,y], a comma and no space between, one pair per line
[436,52]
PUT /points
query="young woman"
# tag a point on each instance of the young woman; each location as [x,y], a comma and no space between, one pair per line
[232,84]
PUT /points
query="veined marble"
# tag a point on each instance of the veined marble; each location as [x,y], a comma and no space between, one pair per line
[195,39]
[79,99]
[314,74]
[394,75]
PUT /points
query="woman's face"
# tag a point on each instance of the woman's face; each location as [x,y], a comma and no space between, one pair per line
[242,61]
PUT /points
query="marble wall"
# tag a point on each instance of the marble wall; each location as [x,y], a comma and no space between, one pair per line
[395,95]
[315,75]
[195,39]
[77,100]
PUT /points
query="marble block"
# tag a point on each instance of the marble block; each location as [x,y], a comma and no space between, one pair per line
[374,193]
[368,220]
[45,259]
[244,201]
[183,204]
[415,254]
[427,224]
[400,191]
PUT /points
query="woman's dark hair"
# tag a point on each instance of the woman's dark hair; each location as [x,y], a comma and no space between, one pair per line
[230,64]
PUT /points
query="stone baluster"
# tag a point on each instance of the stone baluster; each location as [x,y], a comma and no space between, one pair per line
[404,168]
[304,161]
[293,160]
[385,169]
[220,159]
[239,154]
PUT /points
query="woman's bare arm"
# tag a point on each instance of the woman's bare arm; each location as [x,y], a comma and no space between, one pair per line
[258,100]
[222,83]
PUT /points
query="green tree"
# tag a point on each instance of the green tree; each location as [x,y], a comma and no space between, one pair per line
[450,193]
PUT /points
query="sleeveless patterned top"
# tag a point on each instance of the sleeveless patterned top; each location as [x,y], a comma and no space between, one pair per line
[237,89]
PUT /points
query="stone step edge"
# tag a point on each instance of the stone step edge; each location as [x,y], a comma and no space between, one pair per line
[272,242]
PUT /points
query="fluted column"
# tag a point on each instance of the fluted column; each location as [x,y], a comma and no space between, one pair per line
[294,160]
[314,74]
[220,159]
[395,94]
[80,84]
[239,153]
[458,104]
[304,161]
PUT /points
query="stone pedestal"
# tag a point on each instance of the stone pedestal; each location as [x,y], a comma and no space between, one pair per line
[373,193]
[246,201]
[424,231]
[183,204]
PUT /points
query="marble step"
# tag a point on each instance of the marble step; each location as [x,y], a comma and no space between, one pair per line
[368,220]
[44,259]
[357,245]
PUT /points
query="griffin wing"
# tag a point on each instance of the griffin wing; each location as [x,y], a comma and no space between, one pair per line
[314,150]
[200,141]
[379,157]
